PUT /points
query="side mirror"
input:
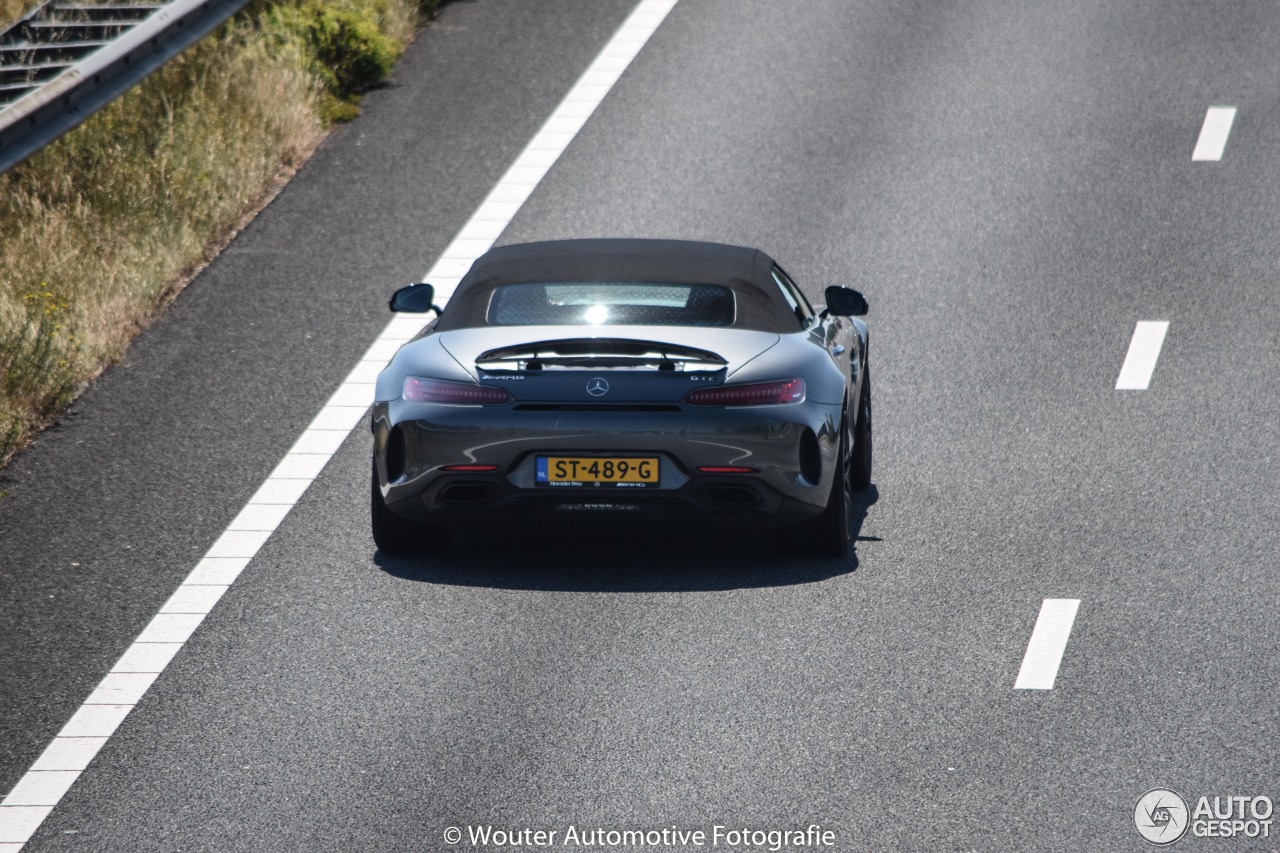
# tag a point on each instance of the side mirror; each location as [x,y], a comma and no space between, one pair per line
[414,299]
[846,302]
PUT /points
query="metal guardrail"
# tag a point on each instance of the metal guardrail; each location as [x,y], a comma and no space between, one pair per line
[67,60]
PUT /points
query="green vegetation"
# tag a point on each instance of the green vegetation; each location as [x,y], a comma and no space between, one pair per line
[346,49]
[99,230]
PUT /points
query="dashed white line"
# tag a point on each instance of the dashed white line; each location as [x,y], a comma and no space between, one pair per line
[53,773]
[1144,352]
[1047,644]
[1213,133]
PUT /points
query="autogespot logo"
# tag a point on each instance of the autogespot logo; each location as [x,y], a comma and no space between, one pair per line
[1161,816]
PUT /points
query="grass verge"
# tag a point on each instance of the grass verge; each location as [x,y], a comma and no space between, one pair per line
[13,10]
[101,229]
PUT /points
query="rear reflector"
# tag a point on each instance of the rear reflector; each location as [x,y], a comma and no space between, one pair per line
[763,394]
[726,469]
[418,389]
[473,469]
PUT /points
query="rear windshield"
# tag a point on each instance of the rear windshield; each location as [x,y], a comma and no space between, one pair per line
[593,303]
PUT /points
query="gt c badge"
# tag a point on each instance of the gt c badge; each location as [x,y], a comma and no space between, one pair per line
[597,387]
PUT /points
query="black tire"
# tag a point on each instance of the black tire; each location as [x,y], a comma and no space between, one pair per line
[860,464]
[398,536]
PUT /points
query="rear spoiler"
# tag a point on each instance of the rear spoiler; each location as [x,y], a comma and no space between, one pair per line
[599,353]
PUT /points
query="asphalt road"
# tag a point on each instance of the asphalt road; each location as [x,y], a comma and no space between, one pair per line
[1010,183]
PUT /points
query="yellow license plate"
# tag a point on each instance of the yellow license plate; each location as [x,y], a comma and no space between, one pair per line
[635,471]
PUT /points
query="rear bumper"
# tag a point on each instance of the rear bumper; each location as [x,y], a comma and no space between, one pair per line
[792,450]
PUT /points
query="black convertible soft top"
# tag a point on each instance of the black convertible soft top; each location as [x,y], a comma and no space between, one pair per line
[748,272]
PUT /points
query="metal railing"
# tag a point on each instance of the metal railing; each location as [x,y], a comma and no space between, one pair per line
[66,60]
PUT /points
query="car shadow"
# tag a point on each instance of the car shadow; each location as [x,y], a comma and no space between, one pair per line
[626,557]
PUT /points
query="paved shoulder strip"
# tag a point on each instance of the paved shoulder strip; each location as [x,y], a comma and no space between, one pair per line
[54,772]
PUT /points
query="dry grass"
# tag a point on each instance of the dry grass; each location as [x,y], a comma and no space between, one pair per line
[12,10]
[100,229]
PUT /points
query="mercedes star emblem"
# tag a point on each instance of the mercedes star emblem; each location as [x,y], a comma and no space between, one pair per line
[597,387]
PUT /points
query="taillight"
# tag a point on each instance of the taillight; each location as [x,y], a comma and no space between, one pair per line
[418,389]
[763,394]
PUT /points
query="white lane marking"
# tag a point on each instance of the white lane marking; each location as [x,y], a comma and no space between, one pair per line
[192,598]
[171,627]
[259,517]
[94,721]
[1213,133]
[1144,352]
[145,658]
[41,787]
[69,753]
[1047,644]
[121,688]
[217,571]
[37,792]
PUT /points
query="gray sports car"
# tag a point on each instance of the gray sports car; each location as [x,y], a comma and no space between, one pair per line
[624,378]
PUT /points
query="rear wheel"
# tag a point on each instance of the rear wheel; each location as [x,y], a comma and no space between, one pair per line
[860,465]
[399,536]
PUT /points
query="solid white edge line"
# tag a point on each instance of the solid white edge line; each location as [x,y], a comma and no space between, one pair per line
[1047,645]
[1142,356]
[1213,134]
[39,790]
[69,753]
